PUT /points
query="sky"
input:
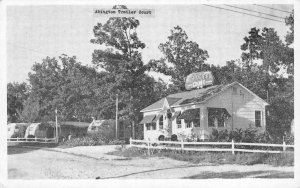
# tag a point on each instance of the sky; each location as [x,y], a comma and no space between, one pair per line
[35,32]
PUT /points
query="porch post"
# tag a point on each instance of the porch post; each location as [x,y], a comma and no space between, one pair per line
[203,123]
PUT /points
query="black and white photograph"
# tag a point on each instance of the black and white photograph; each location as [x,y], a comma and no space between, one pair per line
[132,90]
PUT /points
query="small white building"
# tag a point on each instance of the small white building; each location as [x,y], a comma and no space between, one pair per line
[197,112]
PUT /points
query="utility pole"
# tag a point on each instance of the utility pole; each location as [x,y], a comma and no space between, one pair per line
[117,101]
[56,129]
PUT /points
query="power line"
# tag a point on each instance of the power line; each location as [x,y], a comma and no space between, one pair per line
[243,13]
[255,11]
[273,8]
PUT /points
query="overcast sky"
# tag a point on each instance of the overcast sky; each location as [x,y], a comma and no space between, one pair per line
[34,32]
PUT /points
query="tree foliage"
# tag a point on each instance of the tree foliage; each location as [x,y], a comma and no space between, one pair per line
[17,93]
[289,21]
[122,60]
[81,92]
[180,57]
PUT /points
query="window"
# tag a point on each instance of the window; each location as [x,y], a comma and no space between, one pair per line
[257,118]
[153,126]
[211,122]
[217,117]
[221,122]
[196,122]
[178,122]
[148,126]
[161,122]
[188,124]
[234,91]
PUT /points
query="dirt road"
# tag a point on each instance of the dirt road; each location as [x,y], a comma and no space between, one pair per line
[28,163]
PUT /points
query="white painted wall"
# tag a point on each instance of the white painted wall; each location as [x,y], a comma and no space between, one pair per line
[241,107]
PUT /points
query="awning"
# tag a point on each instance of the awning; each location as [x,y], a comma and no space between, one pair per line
[190,114]
[147,119]
[175,115]
[220,112]
[157,117]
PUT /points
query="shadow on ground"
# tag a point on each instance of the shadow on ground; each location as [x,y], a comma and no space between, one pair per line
[12,150]
[19,148]
[236,174]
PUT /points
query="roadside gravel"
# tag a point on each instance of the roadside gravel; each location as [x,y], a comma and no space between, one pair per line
[92,162]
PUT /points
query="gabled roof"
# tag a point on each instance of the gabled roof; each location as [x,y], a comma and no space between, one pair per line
[194,96]
[172,100]
[155,106]
[198,95]
[160,104]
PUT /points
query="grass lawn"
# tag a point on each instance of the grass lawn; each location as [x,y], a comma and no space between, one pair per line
[282,159]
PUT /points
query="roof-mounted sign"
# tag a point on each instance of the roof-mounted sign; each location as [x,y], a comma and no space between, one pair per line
[199,80]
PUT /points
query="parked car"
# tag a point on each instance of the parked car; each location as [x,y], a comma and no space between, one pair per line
[15,130]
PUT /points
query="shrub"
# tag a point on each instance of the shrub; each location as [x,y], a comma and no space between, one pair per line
[237,135]
[91,140]
[282,159]
[249,135]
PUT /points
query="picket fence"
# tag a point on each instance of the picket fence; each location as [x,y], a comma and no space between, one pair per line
[232,146]
[32,140]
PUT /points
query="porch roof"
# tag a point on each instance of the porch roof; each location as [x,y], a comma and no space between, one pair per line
[190,114]
[157,117]
[147,119]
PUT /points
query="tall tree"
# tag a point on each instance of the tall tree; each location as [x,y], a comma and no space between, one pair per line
[122,60]
[44,80]
[265,78]
[267,48]
[289,21]
[77,91]
[184,56]
[80,92]
[17,93]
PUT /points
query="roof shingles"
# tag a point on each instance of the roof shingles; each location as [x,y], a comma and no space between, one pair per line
[186,97]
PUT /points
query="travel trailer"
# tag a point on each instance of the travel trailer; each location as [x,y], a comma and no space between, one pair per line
[15,130]
[41,130]
[75,129]
[108,127]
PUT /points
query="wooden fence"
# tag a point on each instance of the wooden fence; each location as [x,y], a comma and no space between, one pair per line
[211,146]
[32,140]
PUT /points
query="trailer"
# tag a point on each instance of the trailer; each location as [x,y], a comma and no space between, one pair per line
[108,129]
[16,130]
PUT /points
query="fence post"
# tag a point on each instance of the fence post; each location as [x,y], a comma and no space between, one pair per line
[148,147]
[35,138]
[182,145]
[17,139]
[283,145]
[45,139]
[232,146]
[130,142]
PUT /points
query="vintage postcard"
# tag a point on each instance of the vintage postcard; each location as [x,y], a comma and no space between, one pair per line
[99,93]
